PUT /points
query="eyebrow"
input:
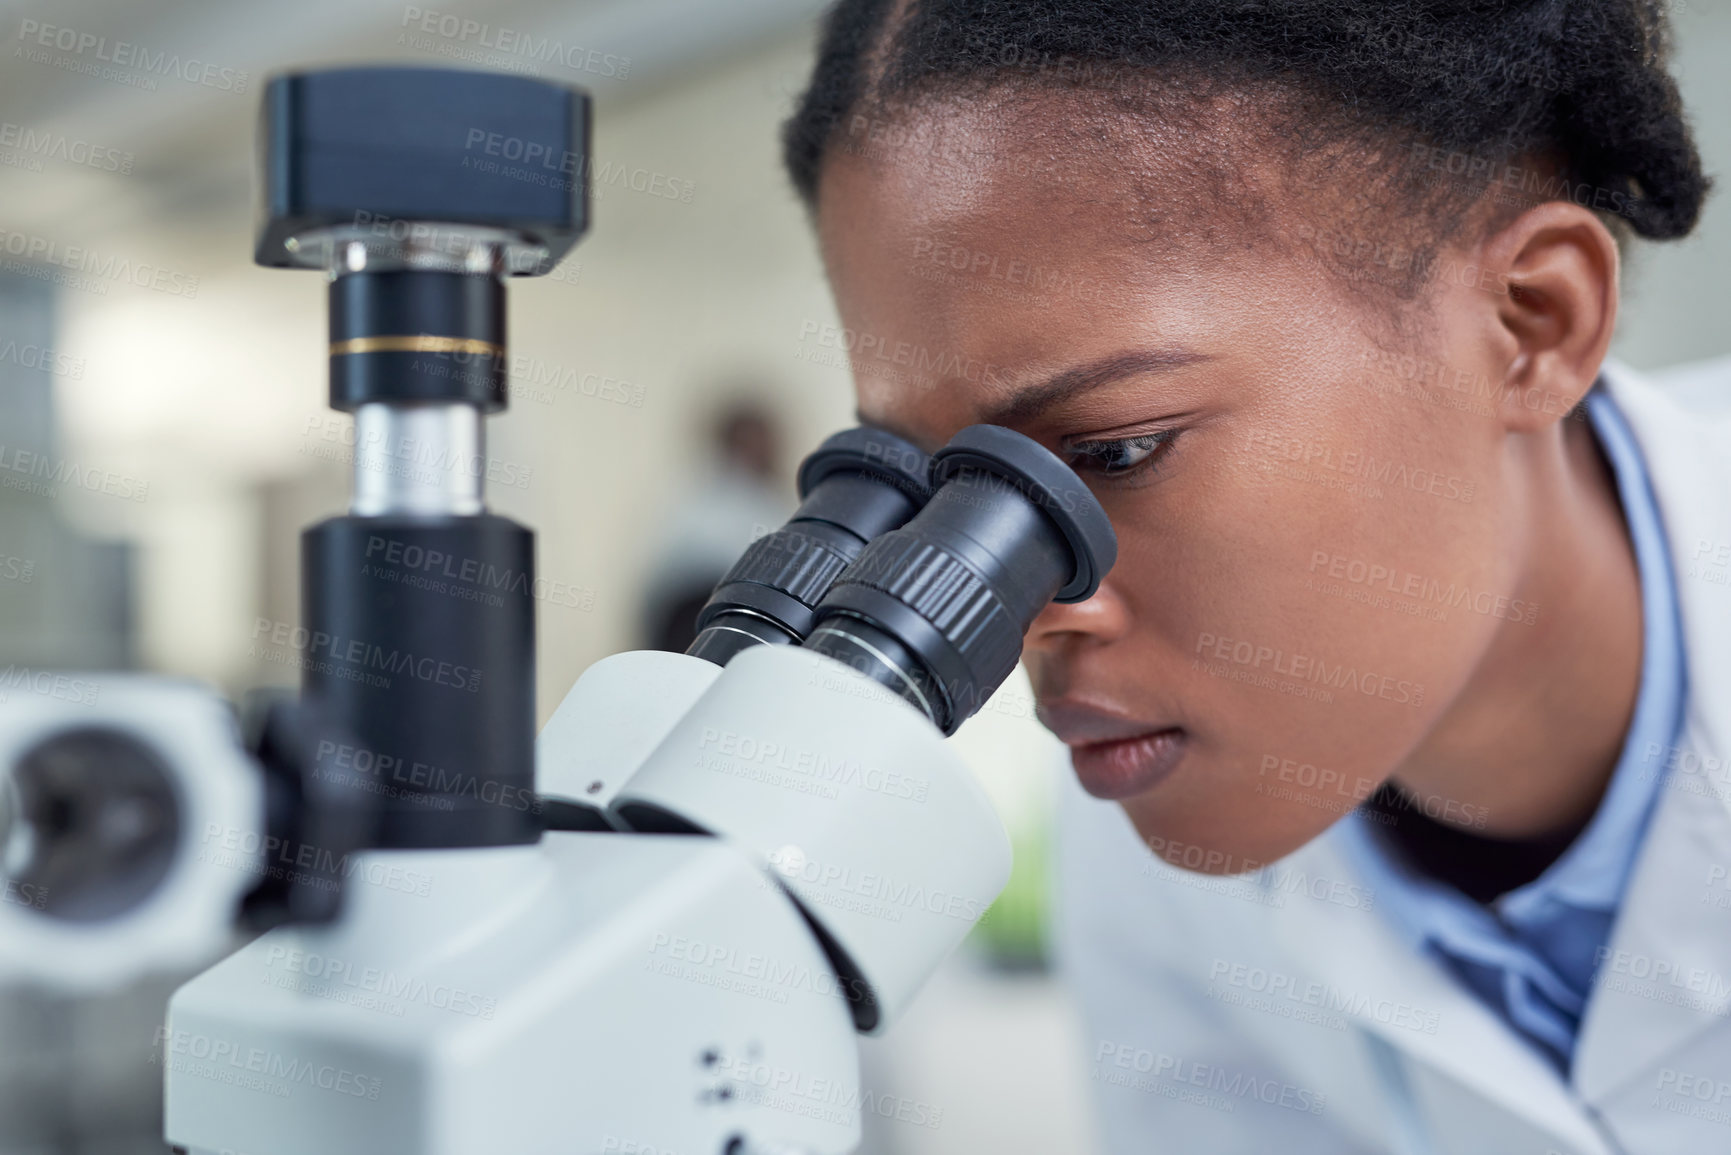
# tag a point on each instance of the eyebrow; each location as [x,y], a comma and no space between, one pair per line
[1033,400]
[1028,403]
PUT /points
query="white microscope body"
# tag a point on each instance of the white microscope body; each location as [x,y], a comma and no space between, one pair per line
[602,992]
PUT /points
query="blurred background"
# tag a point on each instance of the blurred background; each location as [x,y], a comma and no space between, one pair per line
[164,433]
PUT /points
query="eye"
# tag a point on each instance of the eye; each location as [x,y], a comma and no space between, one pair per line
[1121,457]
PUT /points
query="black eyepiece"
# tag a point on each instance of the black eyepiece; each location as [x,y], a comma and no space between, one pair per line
[855,486]
[936,610]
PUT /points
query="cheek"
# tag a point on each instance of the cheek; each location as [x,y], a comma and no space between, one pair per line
[1305,559]
[1314,608]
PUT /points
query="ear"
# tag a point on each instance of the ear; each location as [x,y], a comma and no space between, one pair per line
[1558,267]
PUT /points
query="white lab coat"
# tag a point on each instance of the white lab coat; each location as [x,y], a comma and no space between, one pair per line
[1228,1016]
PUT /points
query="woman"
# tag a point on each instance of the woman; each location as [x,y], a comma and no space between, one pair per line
[1417,635]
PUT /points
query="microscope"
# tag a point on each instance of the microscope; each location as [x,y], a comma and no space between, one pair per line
[657,926]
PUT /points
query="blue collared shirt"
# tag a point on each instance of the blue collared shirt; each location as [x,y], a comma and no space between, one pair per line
[1531,954]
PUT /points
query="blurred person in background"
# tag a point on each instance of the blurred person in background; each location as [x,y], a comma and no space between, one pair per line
[740,496]
[1412,683]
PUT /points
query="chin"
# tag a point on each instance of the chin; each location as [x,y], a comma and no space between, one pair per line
[1215,840]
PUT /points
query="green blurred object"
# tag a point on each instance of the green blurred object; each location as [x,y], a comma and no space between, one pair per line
[1012,935]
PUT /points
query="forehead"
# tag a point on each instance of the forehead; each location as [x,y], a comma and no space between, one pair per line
[973,253]
[1159,165]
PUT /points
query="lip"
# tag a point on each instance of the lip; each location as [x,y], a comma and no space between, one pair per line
[1115,757]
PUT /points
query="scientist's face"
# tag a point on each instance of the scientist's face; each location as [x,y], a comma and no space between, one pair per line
[1311,553]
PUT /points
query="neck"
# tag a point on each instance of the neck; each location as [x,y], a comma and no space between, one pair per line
[1532,740]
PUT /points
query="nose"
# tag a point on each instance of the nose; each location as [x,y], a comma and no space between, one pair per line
[1102,619]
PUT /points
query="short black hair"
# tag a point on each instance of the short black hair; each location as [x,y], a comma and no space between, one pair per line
[1580,86]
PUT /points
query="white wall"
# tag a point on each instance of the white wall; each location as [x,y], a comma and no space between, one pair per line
[1676,307]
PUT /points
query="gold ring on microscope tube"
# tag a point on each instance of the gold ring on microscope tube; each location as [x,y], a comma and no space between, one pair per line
[424,343]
